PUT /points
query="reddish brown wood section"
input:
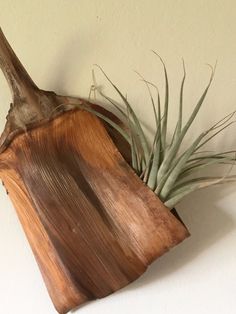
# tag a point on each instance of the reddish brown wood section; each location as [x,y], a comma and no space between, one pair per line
[91,222]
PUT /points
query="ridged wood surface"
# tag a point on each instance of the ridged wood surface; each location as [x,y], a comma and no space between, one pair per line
[92,224]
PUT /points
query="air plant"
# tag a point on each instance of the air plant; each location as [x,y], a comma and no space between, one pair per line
[162,165]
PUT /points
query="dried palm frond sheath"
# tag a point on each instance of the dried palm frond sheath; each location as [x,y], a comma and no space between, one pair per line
[92,224]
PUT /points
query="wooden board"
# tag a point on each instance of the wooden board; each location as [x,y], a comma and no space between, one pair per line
[93,225]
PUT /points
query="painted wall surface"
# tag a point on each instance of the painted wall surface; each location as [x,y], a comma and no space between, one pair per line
[58,41]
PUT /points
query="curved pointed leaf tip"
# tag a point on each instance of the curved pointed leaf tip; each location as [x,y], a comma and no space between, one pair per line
[160,165]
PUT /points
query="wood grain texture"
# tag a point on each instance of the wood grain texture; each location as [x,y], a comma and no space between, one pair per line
[92,224]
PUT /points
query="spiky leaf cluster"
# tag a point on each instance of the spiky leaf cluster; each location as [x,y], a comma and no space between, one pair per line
[163,166]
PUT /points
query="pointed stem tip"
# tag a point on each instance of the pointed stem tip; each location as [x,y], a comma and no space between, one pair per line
[18,79]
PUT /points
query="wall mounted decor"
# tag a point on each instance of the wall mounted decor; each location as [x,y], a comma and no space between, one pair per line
[95,199]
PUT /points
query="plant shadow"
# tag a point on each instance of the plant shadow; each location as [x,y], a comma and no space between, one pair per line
[207,224]
[74,53]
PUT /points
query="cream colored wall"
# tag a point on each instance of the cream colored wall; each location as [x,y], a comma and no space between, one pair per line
[58,42]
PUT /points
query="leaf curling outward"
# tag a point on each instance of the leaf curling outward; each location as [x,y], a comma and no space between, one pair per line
[160,165]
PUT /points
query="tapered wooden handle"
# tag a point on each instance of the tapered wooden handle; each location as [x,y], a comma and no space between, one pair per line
[18,79]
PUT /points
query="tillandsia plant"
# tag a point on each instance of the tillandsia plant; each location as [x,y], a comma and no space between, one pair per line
[92,223]
[162,165]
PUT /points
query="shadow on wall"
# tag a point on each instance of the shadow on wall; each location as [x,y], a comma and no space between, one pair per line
[68,61]
[207,223]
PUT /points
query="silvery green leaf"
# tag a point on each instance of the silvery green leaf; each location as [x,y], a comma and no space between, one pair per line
[139,130]
[177,196]
[172,152]
[166,106]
